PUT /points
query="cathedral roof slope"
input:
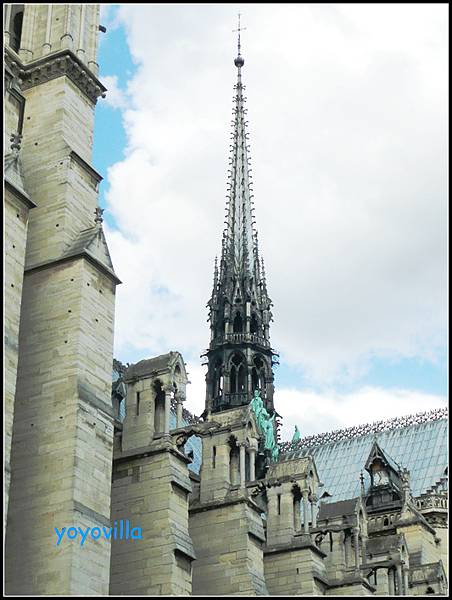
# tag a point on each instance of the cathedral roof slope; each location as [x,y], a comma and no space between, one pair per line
[420,447]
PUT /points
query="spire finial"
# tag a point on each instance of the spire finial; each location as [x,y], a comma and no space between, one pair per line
[361,481]
[239,62]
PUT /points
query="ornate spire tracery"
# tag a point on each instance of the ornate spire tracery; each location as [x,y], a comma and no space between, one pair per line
[240,358]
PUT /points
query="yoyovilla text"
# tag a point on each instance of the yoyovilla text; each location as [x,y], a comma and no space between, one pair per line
[121,531]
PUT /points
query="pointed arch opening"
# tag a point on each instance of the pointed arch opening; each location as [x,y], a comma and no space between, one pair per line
[15,26]
[238,379]
[254,324]
[159,407]
[258,375]
[237,325]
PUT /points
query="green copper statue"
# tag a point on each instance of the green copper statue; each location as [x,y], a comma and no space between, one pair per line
[296,435]
[265,423]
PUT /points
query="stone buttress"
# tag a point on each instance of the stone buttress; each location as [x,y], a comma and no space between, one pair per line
[62,439]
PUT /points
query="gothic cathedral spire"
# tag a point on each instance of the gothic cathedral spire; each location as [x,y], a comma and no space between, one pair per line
[240,358]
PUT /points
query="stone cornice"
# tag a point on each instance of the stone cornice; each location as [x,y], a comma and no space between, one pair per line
[68,258]
[18,194]
[198,506]
[87,167]
[51,66]
[352,579]
[144,452]
[295,545]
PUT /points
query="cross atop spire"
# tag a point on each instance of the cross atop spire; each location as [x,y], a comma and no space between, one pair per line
[239,62]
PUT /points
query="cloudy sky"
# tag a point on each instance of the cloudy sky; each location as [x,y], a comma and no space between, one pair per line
[347,108]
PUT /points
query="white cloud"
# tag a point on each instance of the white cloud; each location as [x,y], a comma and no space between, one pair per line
[347,110]
[115,96]
[316,412]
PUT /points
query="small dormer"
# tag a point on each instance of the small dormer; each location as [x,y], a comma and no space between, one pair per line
[385,479]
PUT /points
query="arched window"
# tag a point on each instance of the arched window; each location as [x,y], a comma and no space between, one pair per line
[255,379]
[233,380]
[429,590]
[159,407]
[254,324]
[241,380]
[217,378]
[234,461]
[258,374]
[238,323]
[238,378]
[15,26]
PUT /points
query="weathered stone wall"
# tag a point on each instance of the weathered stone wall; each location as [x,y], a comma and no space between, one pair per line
[151,491]
[421,544]
[228,544]
[357,589]
[138,429]
[63,434]
[16,221]
[58,120]
[295,571]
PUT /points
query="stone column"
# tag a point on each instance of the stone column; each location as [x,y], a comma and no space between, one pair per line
[248,318]
[252,455]
[81,35]
[391,586]
[399,580]
[67,40]
[242,465]
[363,549]
[297,514]
[226,383]
[92,41]
[383,582]
[347,543]
[405,581]
[47,46]
[250,381]
[356,540]
[26,40]
[180,398]
[7,23]
[314,511]
[305,494]
[168,390]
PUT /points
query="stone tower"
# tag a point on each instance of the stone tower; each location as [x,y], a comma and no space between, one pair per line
[62,431]
[240,358]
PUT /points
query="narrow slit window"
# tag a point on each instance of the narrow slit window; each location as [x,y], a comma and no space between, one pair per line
[214,457]
[138,403]
[279,504]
